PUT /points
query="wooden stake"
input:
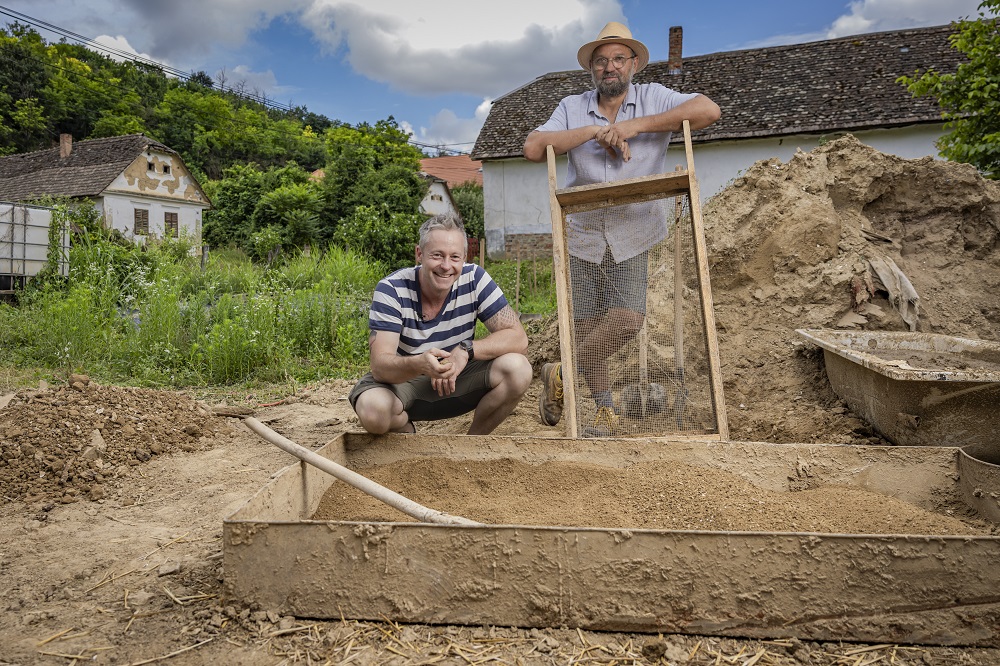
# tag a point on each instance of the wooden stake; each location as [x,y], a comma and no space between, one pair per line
[678,286]
[564,301]
[707,305]
[517,281]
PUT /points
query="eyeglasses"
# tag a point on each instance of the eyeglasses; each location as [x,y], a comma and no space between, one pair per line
[618,61]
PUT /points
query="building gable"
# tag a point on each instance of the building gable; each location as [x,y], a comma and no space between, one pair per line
[438,199]
[89,168]
[159,174]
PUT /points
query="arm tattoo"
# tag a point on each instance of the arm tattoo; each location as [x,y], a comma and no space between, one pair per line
[506,318]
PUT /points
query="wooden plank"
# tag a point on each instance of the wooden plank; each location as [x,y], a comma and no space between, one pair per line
[880,589]
[705,287]
[621,192]
[564,301]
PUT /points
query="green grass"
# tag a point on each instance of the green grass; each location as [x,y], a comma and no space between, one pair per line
[154,317]
[535,292]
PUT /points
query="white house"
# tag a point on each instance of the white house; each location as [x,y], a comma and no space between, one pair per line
[774,101]
[438,199]
[444,173]
[141,187]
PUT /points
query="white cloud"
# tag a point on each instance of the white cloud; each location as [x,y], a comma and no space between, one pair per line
[183,29]
[879,15]
[118,48]
[449,130]
[458,46]
[244,79]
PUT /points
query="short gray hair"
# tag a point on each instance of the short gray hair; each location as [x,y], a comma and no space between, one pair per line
[443,222]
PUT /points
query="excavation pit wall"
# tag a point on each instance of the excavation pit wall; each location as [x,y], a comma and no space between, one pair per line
[937,588]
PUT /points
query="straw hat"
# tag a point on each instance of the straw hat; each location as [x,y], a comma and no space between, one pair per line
[613,33]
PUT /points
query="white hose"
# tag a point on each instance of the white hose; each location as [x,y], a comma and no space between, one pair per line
[362,483]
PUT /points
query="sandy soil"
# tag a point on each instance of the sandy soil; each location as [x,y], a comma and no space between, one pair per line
[113,498]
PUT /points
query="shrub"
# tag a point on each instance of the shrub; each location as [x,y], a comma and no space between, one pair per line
[390,239]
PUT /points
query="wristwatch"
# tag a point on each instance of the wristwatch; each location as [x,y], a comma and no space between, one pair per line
[467,346]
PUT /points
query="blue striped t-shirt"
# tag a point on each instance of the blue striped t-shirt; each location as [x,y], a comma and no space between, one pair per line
[396,308]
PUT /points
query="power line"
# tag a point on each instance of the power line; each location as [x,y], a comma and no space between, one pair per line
[134,58]
[441,147]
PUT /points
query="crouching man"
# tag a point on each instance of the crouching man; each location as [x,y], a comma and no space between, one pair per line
[425,365]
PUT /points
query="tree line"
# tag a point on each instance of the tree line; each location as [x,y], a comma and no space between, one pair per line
[256,161]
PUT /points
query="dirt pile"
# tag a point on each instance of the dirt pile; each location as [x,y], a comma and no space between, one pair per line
[67,443]
[653,495]
[831,239]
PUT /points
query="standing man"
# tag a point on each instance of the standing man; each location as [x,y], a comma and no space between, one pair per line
[425,365]
[618,130]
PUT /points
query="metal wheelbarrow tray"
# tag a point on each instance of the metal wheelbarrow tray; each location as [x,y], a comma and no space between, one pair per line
[918,389]
[897,588]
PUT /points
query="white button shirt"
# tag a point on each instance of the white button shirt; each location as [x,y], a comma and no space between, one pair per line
[627,230]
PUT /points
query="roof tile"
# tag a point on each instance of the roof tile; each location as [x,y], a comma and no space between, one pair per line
[89,170]
[455,169]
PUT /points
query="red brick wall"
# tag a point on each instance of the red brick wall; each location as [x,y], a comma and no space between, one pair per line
[528,246]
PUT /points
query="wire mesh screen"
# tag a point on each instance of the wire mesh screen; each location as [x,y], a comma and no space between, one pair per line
[639,339]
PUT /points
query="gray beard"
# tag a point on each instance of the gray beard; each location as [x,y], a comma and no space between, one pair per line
[612,89]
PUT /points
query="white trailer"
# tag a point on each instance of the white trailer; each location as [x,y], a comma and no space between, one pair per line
[24,244]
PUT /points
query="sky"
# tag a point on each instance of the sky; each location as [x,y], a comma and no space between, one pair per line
[435,67]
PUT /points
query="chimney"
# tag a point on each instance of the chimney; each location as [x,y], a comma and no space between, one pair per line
[65,145]
[674,61]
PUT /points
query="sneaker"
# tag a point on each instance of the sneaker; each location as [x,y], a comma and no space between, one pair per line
[550,401]
[605,424]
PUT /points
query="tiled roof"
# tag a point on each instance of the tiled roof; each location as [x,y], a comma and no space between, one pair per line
[90,168]
[836,85]
[455,169]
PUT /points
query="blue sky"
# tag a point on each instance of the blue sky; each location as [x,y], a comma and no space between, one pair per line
[436,66]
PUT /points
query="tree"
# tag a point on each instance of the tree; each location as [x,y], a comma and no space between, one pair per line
[29,124]
[22,81]
[294,209]
[202,79]
[247,200]
[969,98]
[47,89]
[372,231]
[22,67]
[370,166]
[469,199]
[234,199]
[112,124]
